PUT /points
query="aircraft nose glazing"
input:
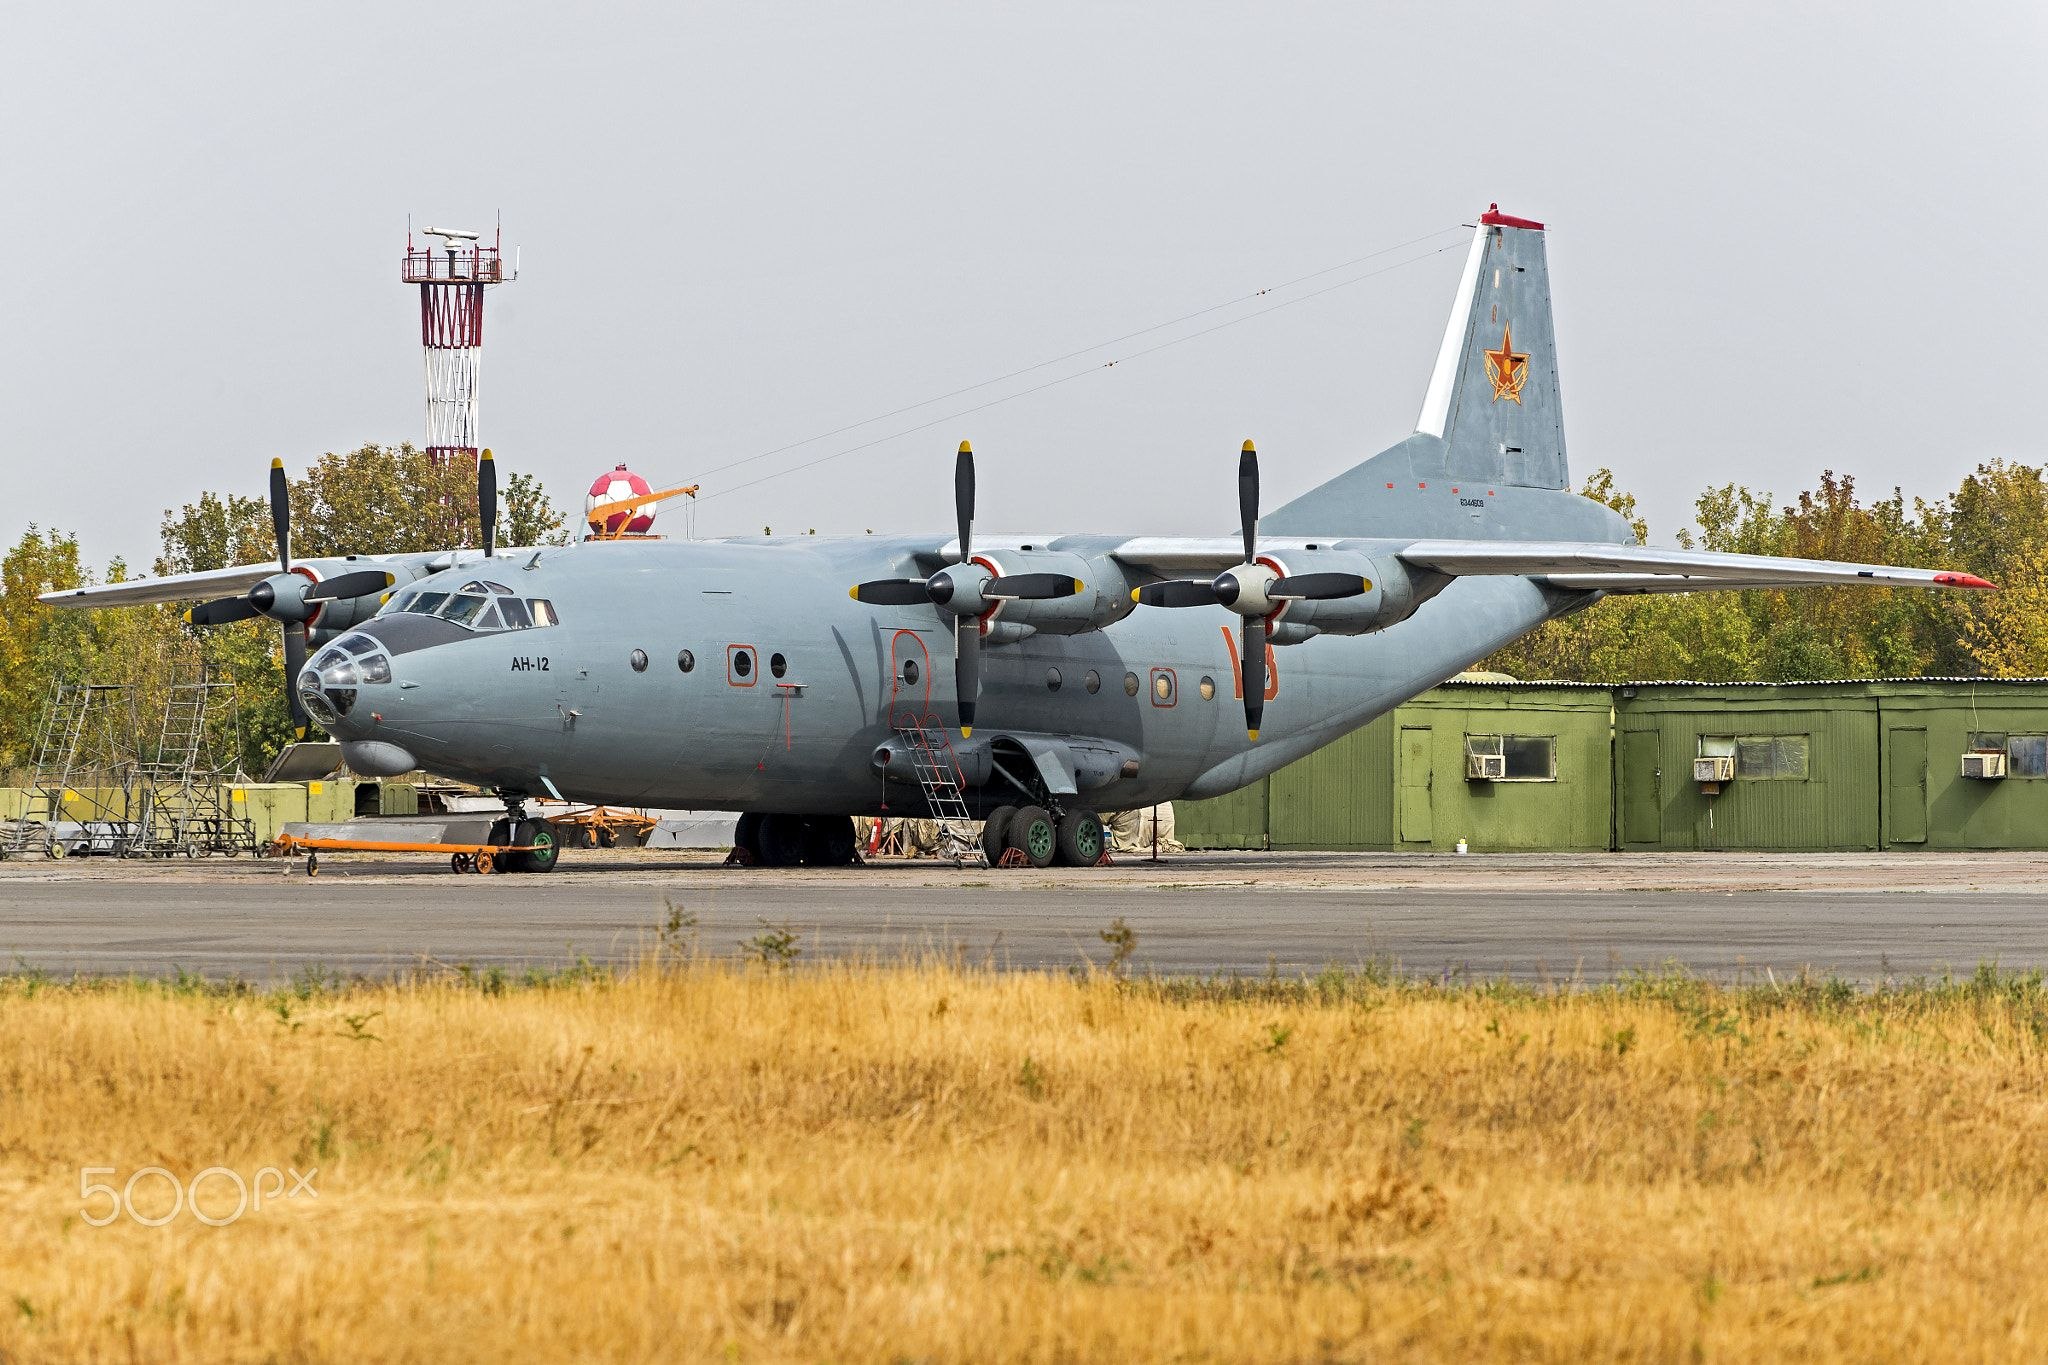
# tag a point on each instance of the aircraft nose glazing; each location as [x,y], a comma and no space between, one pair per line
[331,684]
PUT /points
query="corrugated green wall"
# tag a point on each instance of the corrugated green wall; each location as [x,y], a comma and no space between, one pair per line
[1883,772]
[1661,807]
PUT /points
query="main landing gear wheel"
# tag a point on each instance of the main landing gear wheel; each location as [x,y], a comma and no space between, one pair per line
[1030,831]
[746,836]
[828,841]
[992,831]
[781,840]
[1078,842]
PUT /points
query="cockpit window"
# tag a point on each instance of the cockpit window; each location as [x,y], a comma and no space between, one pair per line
[479,606]
[462,609]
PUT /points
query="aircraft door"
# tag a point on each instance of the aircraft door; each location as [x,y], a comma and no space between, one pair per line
[1417,825]
[1642,788]
[1905,787]
[909,689]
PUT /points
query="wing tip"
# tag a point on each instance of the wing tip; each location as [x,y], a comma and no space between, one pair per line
[1965,580]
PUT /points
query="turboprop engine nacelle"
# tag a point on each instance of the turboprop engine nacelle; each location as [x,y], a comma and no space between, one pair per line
[1103,600]
[1335,592]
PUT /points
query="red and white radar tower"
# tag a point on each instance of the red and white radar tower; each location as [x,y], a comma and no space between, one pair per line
[452,277]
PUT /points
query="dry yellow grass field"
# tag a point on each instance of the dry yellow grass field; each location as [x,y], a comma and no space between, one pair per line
[935,1162]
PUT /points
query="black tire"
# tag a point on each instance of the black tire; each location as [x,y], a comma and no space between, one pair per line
[782,840]
[828,841]
[589,837]
[746,835]
[992,831]
[1078,842]
[544,854]
[1031,830]
[605,837]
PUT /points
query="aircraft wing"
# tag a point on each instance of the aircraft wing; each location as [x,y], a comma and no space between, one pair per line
[239,578]
[177,587]
[1641,568]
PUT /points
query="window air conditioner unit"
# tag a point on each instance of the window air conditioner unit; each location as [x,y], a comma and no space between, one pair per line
[1984,766]
[1714,768]
[1485,767]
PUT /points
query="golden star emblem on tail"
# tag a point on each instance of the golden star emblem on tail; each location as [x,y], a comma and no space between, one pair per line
[1508,368]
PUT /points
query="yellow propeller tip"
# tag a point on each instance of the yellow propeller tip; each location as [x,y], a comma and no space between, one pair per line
[1247,445]
[1134,594]
[485,454]
[966,731]
[186,616]
[966,448]
[1252,735]
[276,462]
[299,733]
[854,592]
[1079,586]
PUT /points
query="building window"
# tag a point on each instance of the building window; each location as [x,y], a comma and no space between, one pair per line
[1524,758]
[1762,758]
[2027,755]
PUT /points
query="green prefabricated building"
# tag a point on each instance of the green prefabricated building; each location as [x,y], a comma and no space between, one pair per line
[1402,782]
[1810,766]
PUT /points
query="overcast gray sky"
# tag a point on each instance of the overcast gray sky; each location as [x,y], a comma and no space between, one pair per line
[1783,238]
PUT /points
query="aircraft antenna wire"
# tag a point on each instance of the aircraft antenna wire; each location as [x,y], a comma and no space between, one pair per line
[1085,350]
[1069,377]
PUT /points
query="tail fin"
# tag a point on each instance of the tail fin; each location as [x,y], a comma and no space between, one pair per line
[1493,398]
[1492,414]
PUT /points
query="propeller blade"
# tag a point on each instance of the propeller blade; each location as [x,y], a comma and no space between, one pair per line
[221,610]
[963,498]
[1319,587]
[295,664]
[487,500]
[1248,496]
[1253,666]
[361,583]
[1034,586]
[967,668]
[281,514]
[892,592]
[1176,592]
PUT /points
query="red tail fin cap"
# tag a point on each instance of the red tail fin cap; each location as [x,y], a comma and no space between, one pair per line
[1493,217]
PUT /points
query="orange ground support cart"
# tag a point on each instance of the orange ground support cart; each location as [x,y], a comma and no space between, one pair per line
[602,827]
[478,858]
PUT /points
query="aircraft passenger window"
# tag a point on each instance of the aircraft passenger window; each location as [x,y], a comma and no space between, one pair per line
[543,611]
[1052,680]
[1208,686]
[777,665]
[1130,684]
[639,660]
[1162,687]
[910,672]
[1093,682]
[515,613]
[686,661]
[739,665]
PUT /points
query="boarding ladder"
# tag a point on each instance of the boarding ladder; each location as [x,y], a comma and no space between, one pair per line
[937,769]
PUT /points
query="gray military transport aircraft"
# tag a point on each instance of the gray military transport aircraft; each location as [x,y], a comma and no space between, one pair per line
[742,674]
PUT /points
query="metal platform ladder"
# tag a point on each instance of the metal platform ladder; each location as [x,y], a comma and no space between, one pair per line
[937,770]
[77,759]
[186,803]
